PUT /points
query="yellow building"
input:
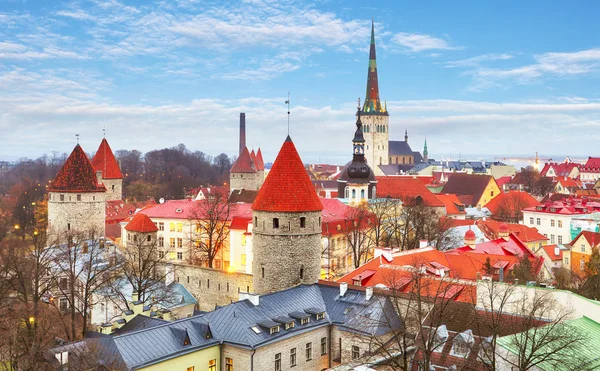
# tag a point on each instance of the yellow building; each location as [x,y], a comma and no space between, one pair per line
[472,190]
[581,250]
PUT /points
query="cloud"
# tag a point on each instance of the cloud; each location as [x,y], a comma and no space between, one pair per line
[476,61]
[415,42]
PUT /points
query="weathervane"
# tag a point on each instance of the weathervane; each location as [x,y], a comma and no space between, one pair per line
[288,111]
[77,136]
[104,131]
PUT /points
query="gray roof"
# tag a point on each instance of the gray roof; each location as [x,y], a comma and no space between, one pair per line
[399,148]
[140,322]
[396,169]
[233,323]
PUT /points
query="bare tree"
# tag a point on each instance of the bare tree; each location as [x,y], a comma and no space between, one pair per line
[384,212]
[417,222]
[357,228]
[510,208]
[209,220]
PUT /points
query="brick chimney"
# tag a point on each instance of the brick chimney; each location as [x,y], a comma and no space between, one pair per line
[242,131]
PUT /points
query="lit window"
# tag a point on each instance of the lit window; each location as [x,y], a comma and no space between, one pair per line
[228,364]
[172,227]
[171,255]
[289,325]
[191,368]
[243,259]
[172,242]
[179,227]
[355,352]
[560,224]
[308,351]
[212,365]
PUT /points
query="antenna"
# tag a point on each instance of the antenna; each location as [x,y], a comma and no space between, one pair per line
[288,111]
[77,136]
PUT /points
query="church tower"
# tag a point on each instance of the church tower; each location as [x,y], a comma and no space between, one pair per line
[104,161]
[375,118]
[425,152]
[357,182]
[76,197]
[286,226]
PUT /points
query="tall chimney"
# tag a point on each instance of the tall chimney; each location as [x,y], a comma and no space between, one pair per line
[242,131]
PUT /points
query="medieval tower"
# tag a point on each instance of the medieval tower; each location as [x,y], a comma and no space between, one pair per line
[357,182]
[76,197]
[375,118]
[105,162]
[286,226]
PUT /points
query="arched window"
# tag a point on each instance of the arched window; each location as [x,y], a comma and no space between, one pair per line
[379,160]
[374,193]
[354,193]
[347,192]
[362,194]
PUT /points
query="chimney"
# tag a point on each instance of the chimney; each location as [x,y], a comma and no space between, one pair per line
[242,131]
[98,176]
[368,293]
[343,288]
[557,251]
[134,297]
[254,299]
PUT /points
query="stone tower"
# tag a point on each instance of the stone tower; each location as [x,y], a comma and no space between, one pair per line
[141,231]
[105,162]
[357,182]
[247,172]
[375,118]
[76,197]
[286,226]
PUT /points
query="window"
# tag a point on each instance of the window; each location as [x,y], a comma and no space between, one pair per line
[323,346]
[172,227]
[320,316]
[64,283]
[560,224]
[353,193]
[255,220]
[212,365]
[179,255]
[171,255]
[302,222]
[243,259]
[581,264]
[362,194]
[274,330]
[228,364]
[62,197]
[68,226]
[78,197]
[551,238]
[355,352]
[531,221]
[302,273]
[191,368]
[161,254]
[172,242]
[304,321]
[278,362]
[292,357]
[290,325]
[179,227]
[559,239]
[64,304]
[567,262]
[492,193]
[582,247]
[263,271]
[537,221]
[460,348]
[161,242]
[347,192]
[275,222]
[552,222]
[180,242]
[149,238]
[308,351]
[161,226]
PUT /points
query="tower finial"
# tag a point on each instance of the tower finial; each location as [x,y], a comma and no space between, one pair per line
[406,135]
[104,131]
[77,136]
[288,111]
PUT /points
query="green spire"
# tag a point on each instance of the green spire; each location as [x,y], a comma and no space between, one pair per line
[425,148]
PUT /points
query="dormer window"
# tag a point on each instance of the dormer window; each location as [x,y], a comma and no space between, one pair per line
[304,321]
[440,338]
[290,325]
[462,343]
[320,316]
[274,330]
[178,211]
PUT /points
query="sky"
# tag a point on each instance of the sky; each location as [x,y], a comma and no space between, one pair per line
[474,78]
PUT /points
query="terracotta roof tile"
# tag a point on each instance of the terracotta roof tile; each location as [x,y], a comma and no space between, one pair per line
[560,169]
[76,175]
[288,186]
[508,200]
[243,164]
[406,189]
[551,252]
[141,223]
[491,229]
[452,204]
[105,161]
[260,163]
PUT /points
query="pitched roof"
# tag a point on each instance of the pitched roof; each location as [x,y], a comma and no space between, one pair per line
[406,189]
[468,184]
[242,196]
[244,163]
[105,161]
[400,148]
[491,229]
[287,187]
[76,175]
[593,162]
[452,204]
[593,238]
[141,223]
[551,252]
[512,201]
[560,169]
[260,163]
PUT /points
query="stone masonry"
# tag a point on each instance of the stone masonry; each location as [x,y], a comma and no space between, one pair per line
[376,144]
[80,212]
[250,181]
[114,189]
[285,253]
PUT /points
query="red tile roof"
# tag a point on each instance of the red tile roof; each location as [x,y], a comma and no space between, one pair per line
[406,189]
[550,251]
[491,229]
[105,161]
[452,204]
[593,238]
[187,209]
[260,163]
[567,206]
[593,162]
[511,201]
[117,210]
[244,163]
[567,182]
[287,187]
[76,175]
[468,184]
[503,180]
[560,169]
[141,223]
[512,247]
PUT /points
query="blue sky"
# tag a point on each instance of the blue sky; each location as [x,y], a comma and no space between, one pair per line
[473,77]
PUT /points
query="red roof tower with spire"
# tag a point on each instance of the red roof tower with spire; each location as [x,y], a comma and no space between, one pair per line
[244,163]
[76,175]
[287,187]
[260,163]
[105,161]
[372,103]
[141,223]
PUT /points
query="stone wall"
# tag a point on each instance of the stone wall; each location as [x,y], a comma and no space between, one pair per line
[76,215]
[250,181]
[287,255]
[114,189]
[212,287]
[376,144]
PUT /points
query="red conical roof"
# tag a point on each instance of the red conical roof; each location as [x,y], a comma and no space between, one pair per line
[470,235]
[76,175]
[287,187]
[243,164]
[105,161]
[141,223]
[260,163]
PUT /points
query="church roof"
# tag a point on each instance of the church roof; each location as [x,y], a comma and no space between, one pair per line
[400,148]
[244,163]
[372,103]
[105,161]
[260,163]
[287,188]
[76,175]
[141,223]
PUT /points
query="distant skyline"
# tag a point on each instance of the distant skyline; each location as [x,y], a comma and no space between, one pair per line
[471,77]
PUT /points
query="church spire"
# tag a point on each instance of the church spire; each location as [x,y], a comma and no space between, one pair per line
[425,153]
[406,135]
[372,103]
